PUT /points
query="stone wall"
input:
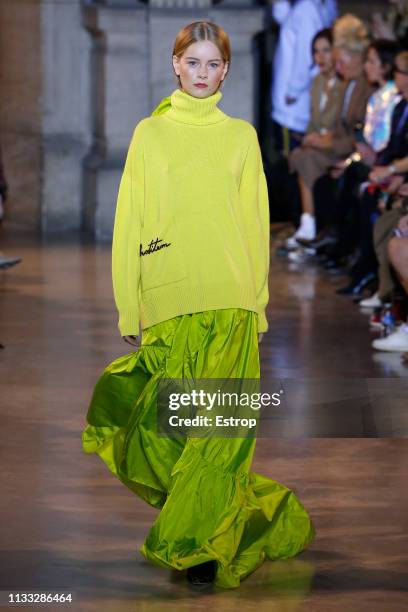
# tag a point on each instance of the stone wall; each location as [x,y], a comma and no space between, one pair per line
[65,111]
[20,116]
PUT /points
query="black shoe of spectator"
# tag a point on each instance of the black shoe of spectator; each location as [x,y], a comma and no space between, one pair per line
[357,286]
[334,264]
[281,251]
[323,239]
[8,262]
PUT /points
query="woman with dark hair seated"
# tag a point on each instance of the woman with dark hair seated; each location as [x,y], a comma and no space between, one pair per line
[314,161]
[326,97]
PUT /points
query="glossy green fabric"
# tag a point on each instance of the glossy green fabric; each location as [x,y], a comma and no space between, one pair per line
[211,505]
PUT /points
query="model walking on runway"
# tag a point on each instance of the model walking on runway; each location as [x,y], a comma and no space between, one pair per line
[190,263]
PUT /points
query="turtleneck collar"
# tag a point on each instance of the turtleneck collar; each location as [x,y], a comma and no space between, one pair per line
[195,111]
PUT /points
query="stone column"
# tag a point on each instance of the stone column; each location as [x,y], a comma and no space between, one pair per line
[121,97]
[65,109]
[20,115]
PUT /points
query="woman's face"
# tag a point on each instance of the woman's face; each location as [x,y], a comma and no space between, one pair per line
[200,68]
[373,67]
[323,56]
[401,77]
[349,64]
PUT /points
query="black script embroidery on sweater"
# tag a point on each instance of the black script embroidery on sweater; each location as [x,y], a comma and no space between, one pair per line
[154,246]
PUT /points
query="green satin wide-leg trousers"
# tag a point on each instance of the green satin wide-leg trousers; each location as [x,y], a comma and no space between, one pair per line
[212,507]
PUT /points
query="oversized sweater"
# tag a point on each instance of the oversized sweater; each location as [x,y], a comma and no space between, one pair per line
[191,229]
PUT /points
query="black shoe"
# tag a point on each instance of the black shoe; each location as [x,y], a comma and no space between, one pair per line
[323,239]
[357,286]
[338,271]
[203,574]
[334,263]
[8,262]
[282,251]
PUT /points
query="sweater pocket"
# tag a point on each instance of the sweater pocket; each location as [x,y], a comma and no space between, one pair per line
[161,254]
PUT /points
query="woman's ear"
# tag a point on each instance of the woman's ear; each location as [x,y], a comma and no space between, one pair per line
[225,71]
[176,65]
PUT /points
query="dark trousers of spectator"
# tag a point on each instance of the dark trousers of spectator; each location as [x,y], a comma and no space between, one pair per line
[284,196]
[337,206]
[368,215]
[325,194]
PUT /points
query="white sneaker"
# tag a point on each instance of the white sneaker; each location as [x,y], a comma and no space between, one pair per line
[371,302]
[306,231]
[397,341]
[291,242]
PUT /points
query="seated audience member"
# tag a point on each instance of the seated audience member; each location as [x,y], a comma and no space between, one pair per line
[397,341]
[326,96]
[383,233]
[392,161]
[379,68]
[350,43]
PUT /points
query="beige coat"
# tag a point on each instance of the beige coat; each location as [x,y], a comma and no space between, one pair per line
[311,163]
[324,119]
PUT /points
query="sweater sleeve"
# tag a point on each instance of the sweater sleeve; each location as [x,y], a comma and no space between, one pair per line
[254,197]
[126,239]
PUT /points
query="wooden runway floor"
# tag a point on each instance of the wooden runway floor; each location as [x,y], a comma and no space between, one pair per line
[68,524]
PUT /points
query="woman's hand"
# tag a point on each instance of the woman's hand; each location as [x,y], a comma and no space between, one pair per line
[309,139]
[368,154]
[133,340]
[318,141]
[395,185]
[403,225]
[379,173]
[260,336]
[403,190]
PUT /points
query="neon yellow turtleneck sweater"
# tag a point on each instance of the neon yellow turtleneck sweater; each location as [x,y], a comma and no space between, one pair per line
[191,226]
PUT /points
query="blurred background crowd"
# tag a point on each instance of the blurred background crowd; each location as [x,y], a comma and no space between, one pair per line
[340,124]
